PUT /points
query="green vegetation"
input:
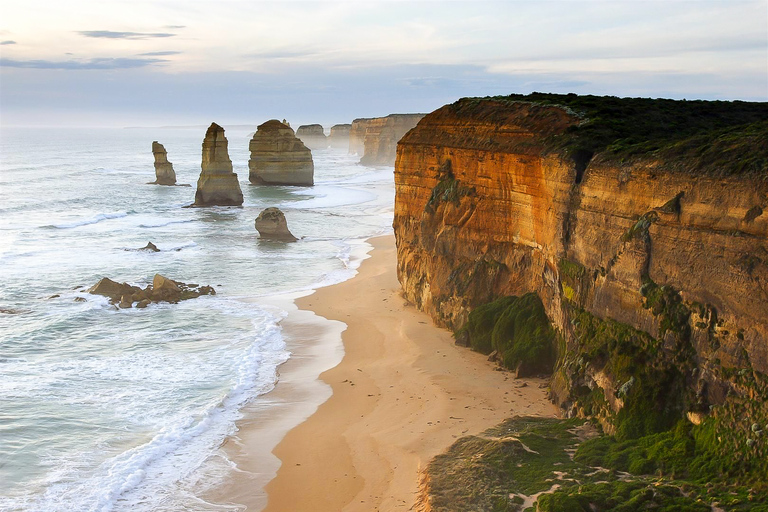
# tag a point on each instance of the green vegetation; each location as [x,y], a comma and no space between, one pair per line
[640,228]
[649,380]
[719,138]
[508,465]
[448,189]
[517,328]
[665,302]
[572,275]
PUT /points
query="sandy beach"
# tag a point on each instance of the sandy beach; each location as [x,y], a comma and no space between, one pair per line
[402,393]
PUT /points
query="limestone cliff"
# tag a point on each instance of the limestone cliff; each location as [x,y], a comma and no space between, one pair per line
[339,137]
[375,139]
[313,136]
[164,173]
[217,184]
[278,157]
[658,249]
[357,136]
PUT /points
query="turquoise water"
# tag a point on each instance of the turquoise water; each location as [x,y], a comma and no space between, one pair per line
[105,409]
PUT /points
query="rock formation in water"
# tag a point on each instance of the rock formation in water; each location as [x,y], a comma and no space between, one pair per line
[272,225]
[217,185]
[278,157]
[645,239]
[313,136]
[162,289]
[375,139]
[339,137]
[164,172]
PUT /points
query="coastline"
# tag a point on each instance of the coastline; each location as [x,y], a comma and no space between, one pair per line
[402,393]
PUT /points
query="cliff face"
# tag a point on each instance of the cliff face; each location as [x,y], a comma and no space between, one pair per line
[278,157]
[375,139]
[339,137]
[217,185]
[486,208]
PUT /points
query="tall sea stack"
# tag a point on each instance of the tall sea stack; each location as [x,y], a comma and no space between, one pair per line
[339,137]
[313,136]
[278,157]
[164,172]
[218,185]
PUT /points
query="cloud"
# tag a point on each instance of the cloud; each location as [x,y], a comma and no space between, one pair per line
[159,54]
[100,63]
[7,42]
[108,34]
[175,27]
[284,54]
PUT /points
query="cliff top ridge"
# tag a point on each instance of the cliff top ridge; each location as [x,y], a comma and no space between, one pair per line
[718,138]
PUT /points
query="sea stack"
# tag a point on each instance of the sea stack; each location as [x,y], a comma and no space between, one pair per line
[339,137]
[272,225]
[164,172]
[218,185]
[278,157]
[313,136]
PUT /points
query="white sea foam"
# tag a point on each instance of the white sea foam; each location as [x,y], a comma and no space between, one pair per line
[331,196]
[90,220]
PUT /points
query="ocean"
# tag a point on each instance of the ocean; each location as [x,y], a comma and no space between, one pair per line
[106,409]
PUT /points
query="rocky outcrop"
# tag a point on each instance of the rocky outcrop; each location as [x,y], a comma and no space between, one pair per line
[271,225]
[162,289]
[278,157]
[217,185]
[164,173]
[313,136]
[339,137]
[647,249]
[375,139]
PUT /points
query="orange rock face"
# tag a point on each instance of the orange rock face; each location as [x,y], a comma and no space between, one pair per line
[482,210]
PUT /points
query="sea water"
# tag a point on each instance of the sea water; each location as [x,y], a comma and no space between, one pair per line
[106,409]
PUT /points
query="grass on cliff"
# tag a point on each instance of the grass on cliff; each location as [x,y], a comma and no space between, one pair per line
[719,138]
[518,329]
[554,465]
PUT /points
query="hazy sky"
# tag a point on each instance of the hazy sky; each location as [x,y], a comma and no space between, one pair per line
[168,62]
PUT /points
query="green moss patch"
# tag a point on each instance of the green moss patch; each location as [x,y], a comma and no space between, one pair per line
[518,329]
[530,462]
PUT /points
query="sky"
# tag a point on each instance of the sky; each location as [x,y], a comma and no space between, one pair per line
[169,62]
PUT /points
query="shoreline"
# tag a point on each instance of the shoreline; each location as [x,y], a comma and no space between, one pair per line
[357,437]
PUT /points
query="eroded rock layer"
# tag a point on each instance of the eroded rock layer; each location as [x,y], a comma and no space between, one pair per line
[278,157]
[217,185]
[164,173]
[486,207]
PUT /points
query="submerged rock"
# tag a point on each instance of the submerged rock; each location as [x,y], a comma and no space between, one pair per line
[272,225]
[150,247]
[278,157]
[313,136]
[162,289]
[218,185]
[164,173]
